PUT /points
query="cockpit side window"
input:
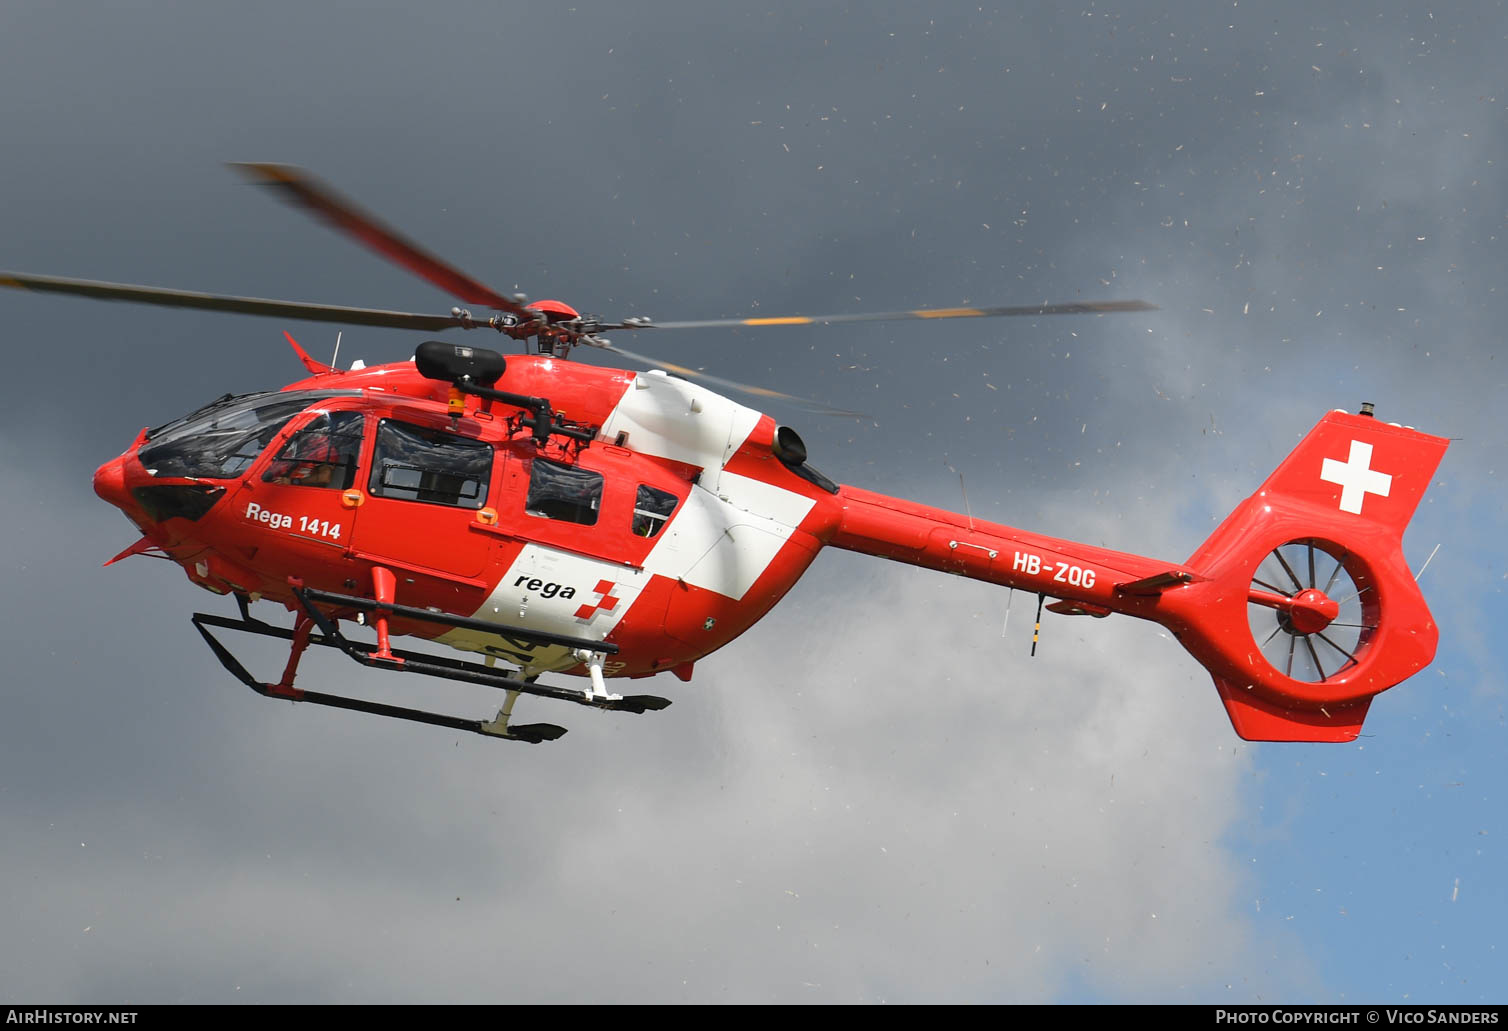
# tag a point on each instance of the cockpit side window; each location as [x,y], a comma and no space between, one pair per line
[652,508]
[322,454]
[222,442]
[412,463]
[564,492]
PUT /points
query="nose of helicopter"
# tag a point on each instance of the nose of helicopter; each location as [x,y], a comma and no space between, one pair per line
[110,482]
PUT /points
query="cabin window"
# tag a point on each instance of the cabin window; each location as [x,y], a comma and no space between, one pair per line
[411,463]
[564,492]
[652,508]
[322,454]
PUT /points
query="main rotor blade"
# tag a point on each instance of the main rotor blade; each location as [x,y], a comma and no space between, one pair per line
[681,370]
[1070,308]
[303,190]
[224,302]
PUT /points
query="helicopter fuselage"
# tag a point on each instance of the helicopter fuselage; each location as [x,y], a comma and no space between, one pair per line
[670,533]
[572,506]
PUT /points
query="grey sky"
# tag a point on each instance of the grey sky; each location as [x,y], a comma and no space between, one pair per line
[871,795]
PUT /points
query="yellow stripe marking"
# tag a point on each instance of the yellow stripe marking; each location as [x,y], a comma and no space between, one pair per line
[789,320]
[948,313]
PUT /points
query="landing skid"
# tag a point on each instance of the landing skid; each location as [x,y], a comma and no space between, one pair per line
[402,661]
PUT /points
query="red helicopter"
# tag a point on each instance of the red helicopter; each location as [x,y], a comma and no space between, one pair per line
[552,517]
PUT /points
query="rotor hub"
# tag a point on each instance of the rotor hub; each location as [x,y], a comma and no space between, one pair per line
[1308,612]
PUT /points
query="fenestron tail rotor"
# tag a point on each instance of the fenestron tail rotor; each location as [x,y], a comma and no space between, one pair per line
[1308,617]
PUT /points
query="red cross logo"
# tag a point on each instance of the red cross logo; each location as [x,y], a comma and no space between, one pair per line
[607,604]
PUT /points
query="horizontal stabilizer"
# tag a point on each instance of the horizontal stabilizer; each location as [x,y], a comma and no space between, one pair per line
[1257,719]
[1078,608]
[1157,584]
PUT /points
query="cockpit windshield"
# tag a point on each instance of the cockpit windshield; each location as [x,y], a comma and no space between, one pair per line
[222,439]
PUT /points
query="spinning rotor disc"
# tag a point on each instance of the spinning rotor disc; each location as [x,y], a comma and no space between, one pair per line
[557,327]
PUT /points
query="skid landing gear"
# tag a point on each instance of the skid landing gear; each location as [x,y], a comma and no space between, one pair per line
[303,635]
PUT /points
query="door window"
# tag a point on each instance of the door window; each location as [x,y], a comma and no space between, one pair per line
[322,454]
[412,463]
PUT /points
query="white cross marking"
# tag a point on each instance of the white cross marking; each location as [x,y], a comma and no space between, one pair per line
[1356,477]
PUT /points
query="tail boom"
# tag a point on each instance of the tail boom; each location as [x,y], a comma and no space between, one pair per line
[903,531]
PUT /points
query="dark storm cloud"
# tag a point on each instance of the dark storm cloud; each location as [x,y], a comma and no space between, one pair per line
[873,795]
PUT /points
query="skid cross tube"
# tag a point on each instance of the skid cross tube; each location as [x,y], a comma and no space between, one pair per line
[533,733]
[409,662]
[404,661]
